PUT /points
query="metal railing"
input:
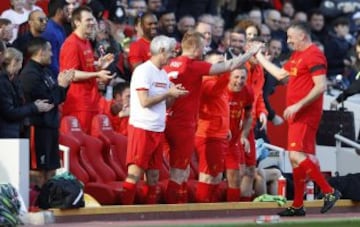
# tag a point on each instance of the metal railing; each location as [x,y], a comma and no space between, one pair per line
[341,139]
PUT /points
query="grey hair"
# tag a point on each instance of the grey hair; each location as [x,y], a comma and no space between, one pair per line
[10,54]
[162,42]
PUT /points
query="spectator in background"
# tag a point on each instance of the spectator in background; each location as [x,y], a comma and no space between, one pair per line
[317,25]
[218,32]
[186,23]
[55,31]
[354,87]
[337,47]
[194,8]
[2,51]
[288,8]
[77,53]
[30,5]
[265,33]
[250,28]
[71,6]
[37,24]
[38,83]
[155,6]
[135,10]
[255,15]
[167,23]
[272,19]
[236,44]
[13,110]
[6,32]
[140,49]
[17,15]
[285,22]
[300,16]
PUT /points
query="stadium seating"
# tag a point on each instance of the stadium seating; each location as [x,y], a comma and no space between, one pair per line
[87,163]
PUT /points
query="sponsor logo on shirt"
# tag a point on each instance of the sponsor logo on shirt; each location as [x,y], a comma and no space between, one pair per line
[158,84]
[293,144]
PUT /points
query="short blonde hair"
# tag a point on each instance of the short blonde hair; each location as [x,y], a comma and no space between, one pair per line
[191,39]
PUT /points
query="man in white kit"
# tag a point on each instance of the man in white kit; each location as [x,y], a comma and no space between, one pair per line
[150,92]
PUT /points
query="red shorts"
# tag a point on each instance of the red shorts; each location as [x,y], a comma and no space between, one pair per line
[144,148]
[211,154]
[234,156]
[250,158]
[181,144]
[301,137]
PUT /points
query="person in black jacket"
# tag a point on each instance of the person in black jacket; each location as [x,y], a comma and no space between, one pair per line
[38,83]
[12,108]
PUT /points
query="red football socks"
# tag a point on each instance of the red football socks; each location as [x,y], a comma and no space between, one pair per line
[173,192]
[151,197]
[204,192]
[314,173]
[299,187]
[233,194]
[128,193]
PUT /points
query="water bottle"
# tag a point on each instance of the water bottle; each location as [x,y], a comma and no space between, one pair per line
[282,186]
[267,219]
[310,191]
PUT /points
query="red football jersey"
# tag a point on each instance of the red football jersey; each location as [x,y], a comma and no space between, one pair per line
[77,53]
[189,73]
[139,51]
[238,101]
[302,67]
[214,107]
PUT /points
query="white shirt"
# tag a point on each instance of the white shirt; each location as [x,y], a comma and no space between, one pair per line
[148,77]
[16,19]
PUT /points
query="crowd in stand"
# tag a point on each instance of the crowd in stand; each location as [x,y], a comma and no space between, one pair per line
[190,73]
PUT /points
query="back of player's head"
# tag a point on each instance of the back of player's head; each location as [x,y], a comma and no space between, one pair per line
[192,39]
[162,43]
